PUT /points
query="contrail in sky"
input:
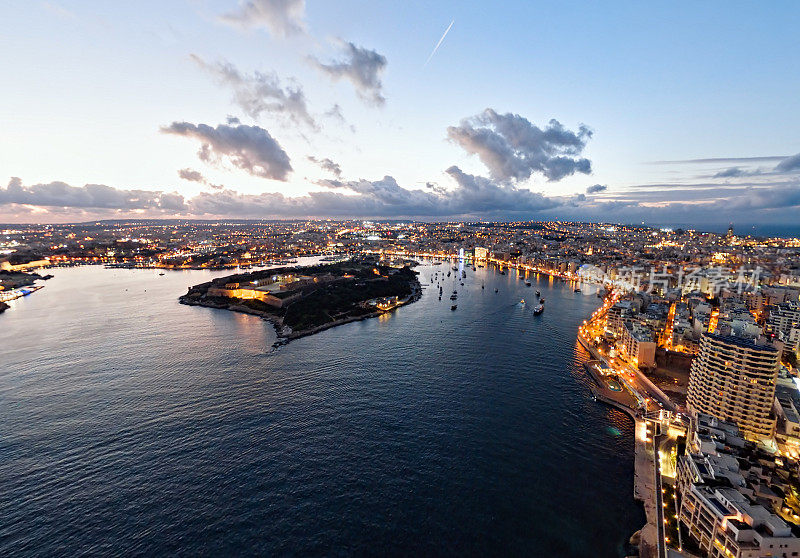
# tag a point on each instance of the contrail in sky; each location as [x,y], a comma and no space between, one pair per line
[439,43]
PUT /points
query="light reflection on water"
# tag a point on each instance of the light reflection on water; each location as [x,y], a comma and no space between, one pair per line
[132,424]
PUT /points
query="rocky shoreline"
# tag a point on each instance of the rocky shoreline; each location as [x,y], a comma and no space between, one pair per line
[284,332]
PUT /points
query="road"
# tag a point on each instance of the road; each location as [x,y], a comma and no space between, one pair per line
[662,547]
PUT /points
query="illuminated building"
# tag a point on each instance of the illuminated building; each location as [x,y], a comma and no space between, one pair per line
[733,379]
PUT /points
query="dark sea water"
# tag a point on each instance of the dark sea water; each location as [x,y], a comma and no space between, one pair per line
[133,425]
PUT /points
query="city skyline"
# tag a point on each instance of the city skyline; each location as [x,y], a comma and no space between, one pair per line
[285,109]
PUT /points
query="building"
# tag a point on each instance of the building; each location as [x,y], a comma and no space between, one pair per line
[726,525]
[734,379]
[638,344]
[481,254]
[730,492]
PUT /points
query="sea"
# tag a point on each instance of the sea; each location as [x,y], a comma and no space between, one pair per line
[133,425]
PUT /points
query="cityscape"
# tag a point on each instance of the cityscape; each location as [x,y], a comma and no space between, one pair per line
[527,340]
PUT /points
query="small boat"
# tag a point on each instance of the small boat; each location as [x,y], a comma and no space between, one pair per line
[527,283]
[495,290]
[453,297]
[160,274]
[502,272]
[576,291]
[541,300]
[538,309]
[522,301]
[454,306]
[538,293]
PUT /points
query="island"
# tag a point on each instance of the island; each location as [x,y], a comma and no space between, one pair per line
[301,301]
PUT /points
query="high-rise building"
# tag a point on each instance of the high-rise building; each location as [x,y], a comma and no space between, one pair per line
[733,379]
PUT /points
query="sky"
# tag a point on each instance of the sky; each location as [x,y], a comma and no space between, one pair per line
[671,115]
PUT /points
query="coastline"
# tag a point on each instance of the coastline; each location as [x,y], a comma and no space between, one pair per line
[643,461]
[285,333]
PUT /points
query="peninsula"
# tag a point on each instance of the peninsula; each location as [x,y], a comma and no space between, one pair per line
[300,301]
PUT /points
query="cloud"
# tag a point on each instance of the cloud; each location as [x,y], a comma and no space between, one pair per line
[732,172]
[281,17]
[197,176]
[362,67]
[249,148]
[512,148]
[328,165]
[596,188]
[191,175]
[258,93]
[789,164]
[60,194]
[735,160]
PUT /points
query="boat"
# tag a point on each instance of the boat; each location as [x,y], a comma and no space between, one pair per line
[453,297]
[502,272]
[576,290]
[448,274]
[454,306]
[527,283]
[541,300]
[160,274]
[538,309]
[495,290]
[538,293]
[463,274]
[522,301]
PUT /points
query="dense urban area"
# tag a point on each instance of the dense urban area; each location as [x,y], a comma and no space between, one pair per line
[696,335]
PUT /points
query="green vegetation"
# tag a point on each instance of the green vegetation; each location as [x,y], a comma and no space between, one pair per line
[340,294]
[342,299]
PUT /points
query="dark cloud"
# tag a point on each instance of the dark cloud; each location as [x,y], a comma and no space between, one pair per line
[191,175]
[732,172]
[734,160]
[477,194]
[60,194]
[789,164]
[362,67]
[281,17]
[596,188]
[197,176]
[249,148]
[512,148]
[328,165]
[260,93]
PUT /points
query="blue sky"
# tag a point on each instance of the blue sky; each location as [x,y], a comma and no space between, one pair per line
[92,91]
